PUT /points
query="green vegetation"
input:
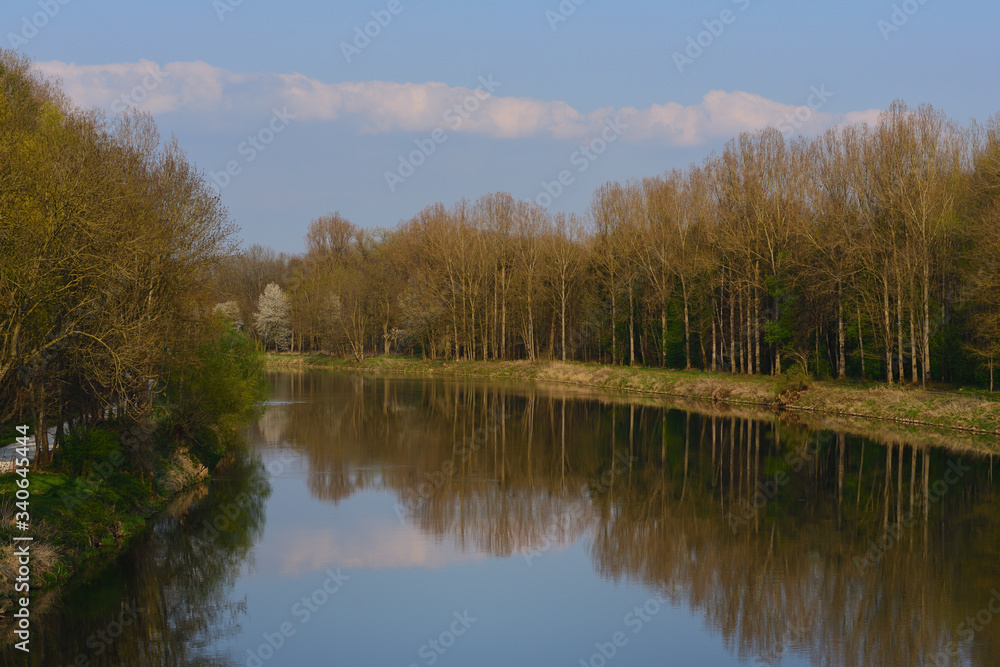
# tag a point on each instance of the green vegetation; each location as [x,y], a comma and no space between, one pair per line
[214,390]
[110,241]
[76,523]
[106,481]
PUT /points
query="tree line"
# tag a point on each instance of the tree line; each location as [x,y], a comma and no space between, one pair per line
[108,238]
[866,252]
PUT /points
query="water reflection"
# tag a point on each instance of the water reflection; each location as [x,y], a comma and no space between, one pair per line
[830,547]
[167,601]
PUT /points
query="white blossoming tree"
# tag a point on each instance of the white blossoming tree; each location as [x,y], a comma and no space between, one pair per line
[273,318]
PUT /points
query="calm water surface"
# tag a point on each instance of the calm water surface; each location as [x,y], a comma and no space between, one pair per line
[431,522]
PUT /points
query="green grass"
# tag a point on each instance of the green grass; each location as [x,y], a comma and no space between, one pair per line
[77,522]
[80,527]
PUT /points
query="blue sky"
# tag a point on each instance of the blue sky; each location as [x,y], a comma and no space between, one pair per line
[215,78]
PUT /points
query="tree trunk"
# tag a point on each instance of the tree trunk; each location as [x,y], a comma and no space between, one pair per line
[465,319]
[496,316]
[714,344]
[888,328]
[927,323]
[472,332]
[743,357]
[756,330]
[899,330]
[42,454]
[777,345]
[552,337]
[532,353]
[503,314]
[614,328]
[643,344]
[745,329]
[631,323]
[687,327]
[60,423]
[663,337]
[485,338]
[817,353]
[563,308]
[861,343]
[732,333]
[913,340]
[841,357]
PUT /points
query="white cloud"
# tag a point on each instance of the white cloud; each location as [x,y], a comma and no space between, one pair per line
[382,545]
[381,106]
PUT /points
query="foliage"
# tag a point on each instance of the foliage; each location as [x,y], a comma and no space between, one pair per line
[86,448]
[212,390]
[793,381]
[108,240]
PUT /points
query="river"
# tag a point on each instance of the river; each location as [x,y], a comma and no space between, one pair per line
[391,521]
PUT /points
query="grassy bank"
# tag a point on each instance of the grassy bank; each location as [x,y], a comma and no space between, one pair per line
[81,522]
[950,410]
[107,478]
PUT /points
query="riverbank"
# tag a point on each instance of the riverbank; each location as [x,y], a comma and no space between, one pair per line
[105,481]
[80,523]
[978,414]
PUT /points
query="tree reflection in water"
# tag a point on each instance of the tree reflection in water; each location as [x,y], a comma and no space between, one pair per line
[167,600]
[848,558]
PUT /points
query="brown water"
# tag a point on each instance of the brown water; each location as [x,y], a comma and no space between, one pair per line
[433,522]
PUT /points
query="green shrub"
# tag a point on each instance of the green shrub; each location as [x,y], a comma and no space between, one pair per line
[793,379]
[86,449]
[213,391]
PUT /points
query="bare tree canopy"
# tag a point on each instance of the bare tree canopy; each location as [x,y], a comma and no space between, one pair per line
[865,252]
